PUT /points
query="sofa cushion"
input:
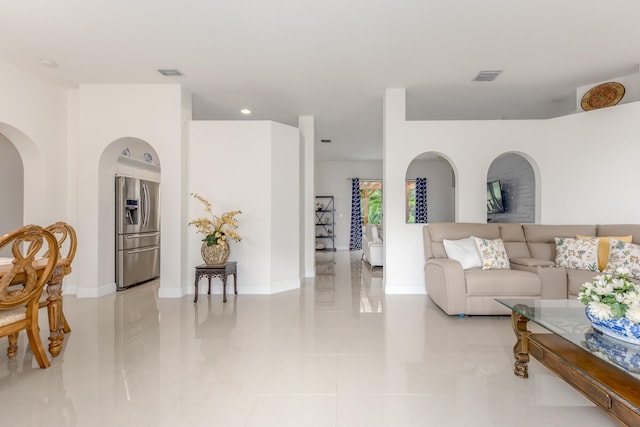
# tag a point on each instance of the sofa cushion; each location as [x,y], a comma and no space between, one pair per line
[493,254]
[620,230]
[577,278]
[514,240]
[541,238]
[502,283]
[464,251]
[624,255]
[577,254]
[603,247]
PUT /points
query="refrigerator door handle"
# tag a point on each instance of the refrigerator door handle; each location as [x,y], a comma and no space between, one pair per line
[135,251]
[145,205]
[136,236]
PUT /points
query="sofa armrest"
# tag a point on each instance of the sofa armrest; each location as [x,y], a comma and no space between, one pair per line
[552,279]
[445,284]
[375,254]
[532,262]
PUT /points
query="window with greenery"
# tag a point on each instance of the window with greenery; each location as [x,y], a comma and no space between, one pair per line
[371,202]
[410,192]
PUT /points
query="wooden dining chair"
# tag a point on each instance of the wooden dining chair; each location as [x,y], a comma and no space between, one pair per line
[52,298]
[21,284]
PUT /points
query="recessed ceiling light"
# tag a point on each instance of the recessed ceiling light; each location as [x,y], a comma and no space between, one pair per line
[245,111]
[48,63]
[487,75]
[170,72]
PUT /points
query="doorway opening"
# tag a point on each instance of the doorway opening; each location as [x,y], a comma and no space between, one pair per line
[371,202]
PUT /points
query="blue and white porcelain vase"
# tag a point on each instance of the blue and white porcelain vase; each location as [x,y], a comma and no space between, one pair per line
[618,328]
[619,352]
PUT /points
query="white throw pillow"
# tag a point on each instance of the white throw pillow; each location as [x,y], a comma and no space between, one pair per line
[577,254]
[493,254]
[464,251]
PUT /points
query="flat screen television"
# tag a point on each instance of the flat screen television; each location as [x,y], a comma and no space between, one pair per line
[495,203]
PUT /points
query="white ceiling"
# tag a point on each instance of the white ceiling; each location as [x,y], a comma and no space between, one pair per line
[333,59]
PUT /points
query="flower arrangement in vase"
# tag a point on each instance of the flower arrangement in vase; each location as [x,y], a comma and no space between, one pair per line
[216,231]
[613,305]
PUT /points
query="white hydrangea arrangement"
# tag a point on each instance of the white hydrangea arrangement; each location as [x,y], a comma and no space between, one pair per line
[612,296]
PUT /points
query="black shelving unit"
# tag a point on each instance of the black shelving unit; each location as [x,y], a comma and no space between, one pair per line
[325,222]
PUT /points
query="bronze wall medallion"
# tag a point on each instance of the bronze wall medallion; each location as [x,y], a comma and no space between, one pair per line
[603,95]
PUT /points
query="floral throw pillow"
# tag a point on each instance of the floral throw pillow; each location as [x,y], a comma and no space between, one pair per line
[493,254]
[577,254]
[623,255]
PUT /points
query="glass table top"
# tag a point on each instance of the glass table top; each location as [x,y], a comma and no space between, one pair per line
[567,319]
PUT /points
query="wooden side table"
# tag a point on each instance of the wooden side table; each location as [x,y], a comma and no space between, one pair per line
[219,271]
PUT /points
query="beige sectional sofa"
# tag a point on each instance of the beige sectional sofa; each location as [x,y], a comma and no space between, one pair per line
[531,249]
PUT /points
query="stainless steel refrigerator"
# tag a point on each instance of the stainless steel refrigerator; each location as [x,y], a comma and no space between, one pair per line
[137,231]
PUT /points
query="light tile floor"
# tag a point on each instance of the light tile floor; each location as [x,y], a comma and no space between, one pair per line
[337,352]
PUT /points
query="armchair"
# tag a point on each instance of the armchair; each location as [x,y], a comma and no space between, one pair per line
[372,246]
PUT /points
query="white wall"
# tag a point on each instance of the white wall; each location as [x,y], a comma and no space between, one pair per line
[286,208]
[583,164]
[332,178]
[108,115]
[596,180]
[252,166]
[33,117]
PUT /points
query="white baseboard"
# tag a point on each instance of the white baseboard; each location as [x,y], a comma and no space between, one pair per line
[69,289]
[98,292]
[405,290]
[174,292]
[284,286]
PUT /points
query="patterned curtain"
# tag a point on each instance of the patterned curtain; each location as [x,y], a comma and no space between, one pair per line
[421,200]
[355,242]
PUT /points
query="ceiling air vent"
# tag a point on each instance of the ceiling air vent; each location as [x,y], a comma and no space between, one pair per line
[487,75]
[170,72]
[326,141]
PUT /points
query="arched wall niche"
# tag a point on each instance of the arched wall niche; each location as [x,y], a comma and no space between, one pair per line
[519,179]
[439,171]
[24,168]
[112,162]
[12,193]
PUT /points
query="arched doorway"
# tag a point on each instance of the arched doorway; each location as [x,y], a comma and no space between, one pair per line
[440,187]
[511,189]
[127,156]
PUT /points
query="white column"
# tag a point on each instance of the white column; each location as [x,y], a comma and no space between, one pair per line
[306,124]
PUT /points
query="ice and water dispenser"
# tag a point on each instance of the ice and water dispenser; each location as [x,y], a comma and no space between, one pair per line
[132,211]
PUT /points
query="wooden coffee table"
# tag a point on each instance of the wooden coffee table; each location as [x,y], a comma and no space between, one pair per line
[568,351]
